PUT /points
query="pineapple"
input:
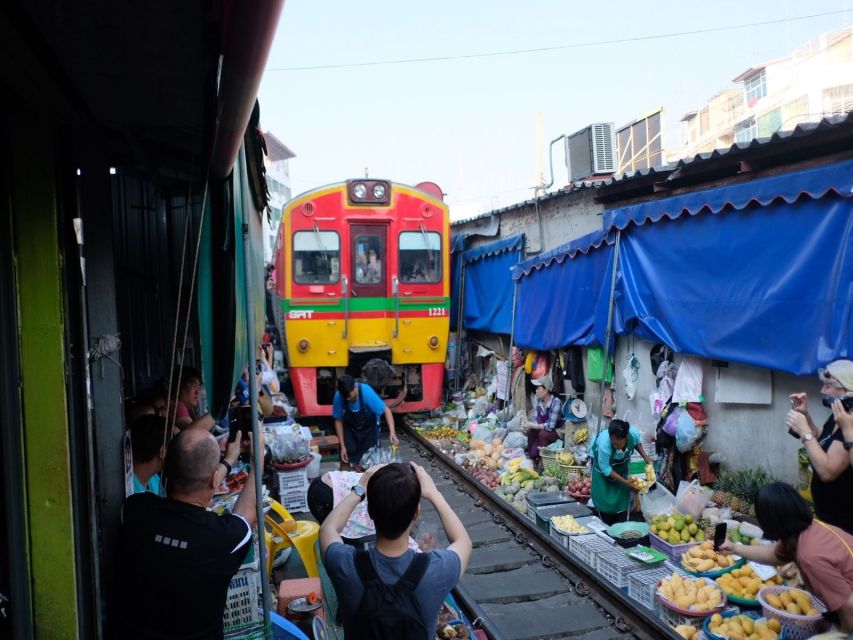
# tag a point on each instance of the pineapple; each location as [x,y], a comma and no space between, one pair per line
[736,505]
[718,497]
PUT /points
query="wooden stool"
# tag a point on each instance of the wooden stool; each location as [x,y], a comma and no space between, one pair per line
[327,445]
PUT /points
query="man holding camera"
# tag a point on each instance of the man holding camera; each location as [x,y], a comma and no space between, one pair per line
[832,481]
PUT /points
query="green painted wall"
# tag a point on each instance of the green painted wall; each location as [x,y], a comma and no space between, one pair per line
[46,455]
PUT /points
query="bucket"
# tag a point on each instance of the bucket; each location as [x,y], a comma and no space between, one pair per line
[313,469]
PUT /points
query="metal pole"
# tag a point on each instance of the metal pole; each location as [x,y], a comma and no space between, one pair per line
[257,456]
[512,328]
[607,334]
[459,316]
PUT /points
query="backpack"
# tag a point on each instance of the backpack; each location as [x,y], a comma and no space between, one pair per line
[388,611]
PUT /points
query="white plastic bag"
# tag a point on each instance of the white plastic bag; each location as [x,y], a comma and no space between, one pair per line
[630,373]
[688,382]
[657,501]
[691,498]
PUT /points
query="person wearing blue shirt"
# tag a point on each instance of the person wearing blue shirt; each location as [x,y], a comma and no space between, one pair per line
[611,461]
[147,442]
[356,410]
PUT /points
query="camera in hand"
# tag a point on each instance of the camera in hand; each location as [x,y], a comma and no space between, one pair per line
[847,403]
[239,421]
[720,535]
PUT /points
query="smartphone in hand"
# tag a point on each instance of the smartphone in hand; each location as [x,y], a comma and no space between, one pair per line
[720,535]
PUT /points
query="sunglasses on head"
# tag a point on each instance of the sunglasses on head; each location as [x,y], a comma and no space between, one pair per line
[826,377]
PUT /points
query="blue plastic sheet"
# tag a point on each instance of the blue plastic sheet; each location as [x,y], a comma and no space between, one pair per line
[558,292]
[457,247]
[770,286]
[489,285]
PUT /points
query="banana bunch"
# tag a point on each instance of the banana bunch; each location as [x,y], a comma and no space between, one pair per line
[581,436]
[519,476]
[565,457]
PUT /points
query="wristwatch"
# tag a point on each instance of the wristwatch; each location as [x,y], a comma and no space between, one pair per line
[848,444]
[360,491]
[226,464]
[806,437]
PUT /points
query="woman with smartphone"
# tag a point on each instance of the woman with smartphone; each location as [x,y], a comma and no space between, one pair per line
[832,478]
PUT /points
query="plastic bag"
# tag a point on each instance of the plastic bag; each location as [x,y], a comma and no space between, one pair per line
[692,498]
[670,426]
[688,382]
[595,365]
[516,424]
[630,373]
[287,444]
[686,432]
[657,501]
[515,439]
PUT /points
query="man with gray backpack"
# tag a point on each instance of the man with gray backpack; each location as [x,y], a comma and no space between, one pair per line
[389,591]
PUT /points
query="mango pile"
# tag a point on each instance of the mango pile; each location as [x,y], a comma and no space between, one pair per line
[703,558]
[692,594]
[793,601]
[677,529]
[744,583]
[568,524]
[744,628]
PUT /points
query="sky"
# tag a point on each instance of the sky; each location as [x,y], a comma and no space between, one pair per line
[469,123]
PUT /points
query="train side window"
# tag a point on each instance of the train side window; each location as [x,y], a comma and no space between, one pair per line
[316,257]
[420,256]
[368,260]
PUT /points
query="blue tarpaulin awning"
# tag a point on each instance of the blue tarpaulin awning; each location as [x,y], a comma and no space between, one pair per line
[488,288]
[814,183]
[457,248]
[558,292]
[766,279]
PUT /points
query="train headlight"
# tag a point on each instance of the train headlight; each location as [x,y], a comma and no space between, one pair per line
[433,342]
[303,345]
[360,191]
[379,191]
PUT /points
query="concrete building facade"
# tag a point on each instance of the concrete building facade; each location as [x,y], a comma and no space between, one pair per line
[813,82]
[277,164]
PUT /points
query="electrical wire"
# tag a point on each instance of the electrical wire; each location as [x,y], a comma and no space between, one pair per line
[575,45]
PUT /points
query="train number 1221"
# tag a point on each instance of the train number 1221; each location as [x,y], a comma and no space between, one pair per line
[437,312]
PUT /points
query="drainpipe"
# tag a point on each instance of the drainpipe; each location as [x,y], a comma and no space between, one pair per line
[250,27]
[538,190]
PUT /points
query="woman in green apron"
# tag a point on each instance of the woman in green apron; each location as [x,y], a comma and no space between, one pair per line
[611,461]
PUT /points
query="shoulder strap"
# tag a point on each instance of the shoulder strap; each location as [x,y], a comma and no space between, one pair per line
[413,575]
[835,533]
[364,568]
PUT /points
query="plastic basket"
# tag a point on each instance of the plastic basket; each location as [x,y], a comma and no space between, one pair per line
[643,584]
[556,534]
[573,471]
[295,502]
[706,627]
[674,551]
[691,613]
[586,548]
[241,602]
[548,456]
[292,481]
[616,567]
[797,627]
[548,511]
[673,619]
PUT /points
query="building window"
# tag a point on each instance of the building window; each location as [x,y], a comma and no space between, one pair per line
[755,88]
[769,123]
[838,99]
[746,130]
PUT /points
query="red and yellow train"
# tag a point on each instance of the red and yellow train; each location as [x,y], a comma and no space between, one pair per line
[363,280]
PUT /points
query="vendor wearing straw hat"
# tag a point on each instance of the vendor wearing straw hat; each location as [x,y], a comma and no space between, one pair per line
[611,461]
[549,418]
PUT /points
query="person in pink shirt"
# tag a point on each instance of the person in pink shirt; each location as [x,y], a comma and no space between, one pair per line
[187,405]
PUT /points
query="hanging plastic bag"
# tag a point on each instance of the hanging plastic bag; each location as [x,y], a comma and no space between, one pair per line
[688,382]
[670,425]
[666,373]
[595,365]
[655,502]
[686,432]
[630,373]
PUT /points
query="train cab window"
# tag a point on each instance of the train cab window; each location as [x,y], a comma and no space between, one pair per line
[420,256]
[316,257]
[368,260]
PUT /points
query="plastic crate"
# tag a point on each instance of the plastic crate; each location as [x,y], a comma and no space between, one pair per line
[616,567]
[548,511]
[673,551]
[292,481]
[241,602]
[643,584]
[561,538]
[295,502]
[673,619]
[586,548]
[250,562]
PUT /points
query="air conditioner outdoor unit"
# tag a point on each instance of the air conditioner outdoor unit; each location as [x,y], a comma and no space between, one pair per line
[591,151]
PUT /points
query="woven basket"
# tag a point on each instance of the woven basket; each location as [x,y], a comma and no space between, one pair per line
[797,627]
[572,471]
[548,456]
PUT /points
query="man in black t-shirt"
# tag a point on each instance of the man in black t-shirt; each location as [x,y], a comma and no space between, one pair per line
[176,559]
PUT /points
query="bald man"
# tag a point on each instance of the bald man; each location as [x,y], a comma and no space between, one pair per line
[176,558]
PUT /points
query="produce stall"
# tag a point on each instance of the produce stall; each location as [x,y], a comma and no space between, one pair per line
[665,569]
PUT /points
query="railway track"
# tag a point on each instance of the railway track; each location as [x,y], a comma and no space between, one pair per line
[520,583]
